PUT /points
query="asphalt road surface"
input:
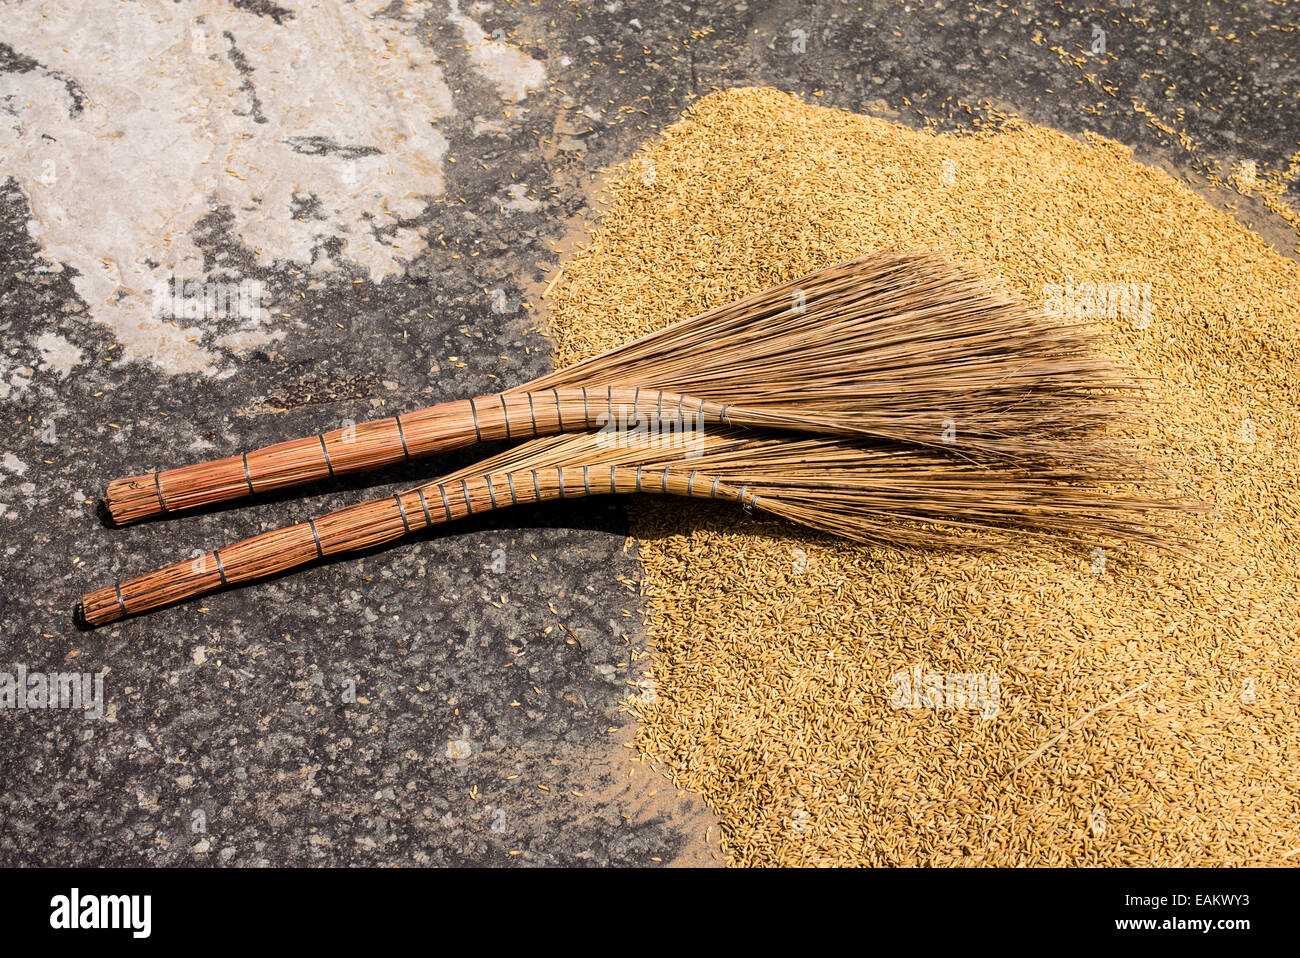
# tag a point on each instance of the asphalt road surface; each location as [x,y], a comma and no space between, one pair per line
[376,193]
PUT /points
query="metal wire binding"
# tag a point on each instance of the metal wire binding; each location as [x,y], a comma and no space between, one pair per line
[478,433]
[401,434]
[406,523]
[325,449]
[505,413]
[320,549]
[157,485]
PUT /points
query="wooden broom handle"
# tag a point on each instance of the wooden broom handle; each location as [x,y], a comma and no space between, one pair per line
[412,434]
[370,523]
[424,432]
[381,442]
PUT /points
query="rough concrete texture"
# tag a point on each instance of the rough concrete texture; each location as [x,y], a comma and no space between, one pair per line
[374,195]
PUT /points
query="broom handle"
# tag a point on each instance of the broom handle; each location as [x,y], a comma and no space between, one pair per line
[368,524]
[381,442]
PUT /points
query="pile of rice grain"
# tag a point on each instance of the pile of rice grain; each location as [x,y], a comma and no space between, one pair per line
[1146,709]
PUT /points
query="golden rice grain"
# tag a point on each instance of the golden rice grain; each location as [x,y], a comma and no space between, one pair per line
[1146,708]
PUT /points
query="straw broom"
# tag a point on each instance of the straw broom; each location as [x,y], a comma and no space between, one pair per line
[886,345]
[898,495]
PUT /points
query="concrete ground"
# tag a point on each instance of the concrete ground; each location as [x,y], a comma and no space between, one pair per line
[383,190]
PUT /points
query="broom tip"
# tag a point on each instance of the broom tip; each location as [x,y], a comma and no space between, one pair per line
[105,514]
[79,618]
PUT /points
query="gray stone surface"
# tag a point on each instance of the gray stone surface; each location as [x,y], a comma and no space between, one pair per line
[474,733]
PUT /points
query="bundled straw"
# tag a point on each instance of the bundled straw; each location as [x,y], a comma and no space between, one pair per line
[887,345]
[892,398]
[864,492]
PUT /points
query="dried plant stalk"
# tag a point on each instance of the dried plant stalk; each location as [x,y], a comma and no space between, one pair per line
[888,345]
[859,491]
[446,427]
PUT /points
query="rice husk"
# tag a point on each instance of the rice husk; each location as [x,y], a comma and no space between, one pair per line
[1146,705]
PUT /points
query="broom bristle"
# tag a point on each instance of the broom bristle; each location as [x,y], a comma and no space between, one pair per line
[891,494]
[896,343]
[909,496]
[904,347]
